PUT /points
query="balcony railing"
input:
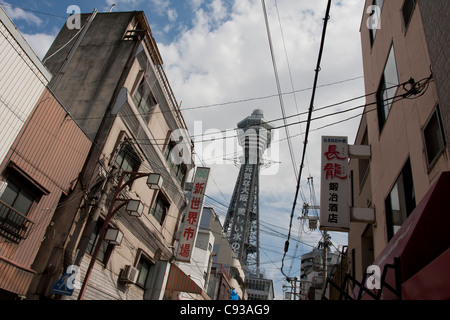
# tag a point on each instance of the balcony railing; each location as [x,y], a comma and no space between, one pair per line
[13,223]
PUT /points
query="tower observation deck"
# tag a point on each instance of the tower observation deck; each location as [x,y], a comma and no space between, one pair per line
[242,221]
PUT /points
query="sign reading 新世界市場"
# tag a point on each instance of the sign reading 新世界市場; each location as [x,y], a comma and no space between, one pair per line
[193,215]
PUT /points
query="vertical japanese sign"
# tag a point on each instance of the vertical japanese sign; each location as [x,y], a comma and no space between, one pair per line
[244,203]
[334,207]
[193,214]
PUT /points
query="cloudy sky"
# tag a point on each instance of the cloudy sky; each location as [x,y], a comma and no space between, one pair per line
[217,57]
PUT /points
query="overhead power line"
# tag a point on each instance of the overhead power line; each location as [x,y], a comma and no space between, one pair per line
[293,115]
[399,97]
[293,92]
[308,124]
[277,79]
[33,11]
[289,69]
[219,104]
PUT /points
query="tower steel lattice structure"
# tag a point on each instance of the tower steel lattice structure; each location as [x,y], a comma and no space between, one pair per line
[242,221]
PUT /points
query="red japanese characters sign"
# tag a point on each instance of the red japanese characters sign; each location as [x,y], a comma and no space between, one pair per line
[192,215]
[334,207]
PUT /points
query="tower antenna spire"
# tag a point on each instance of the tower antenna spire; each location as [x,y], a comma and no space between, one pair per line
[242,220]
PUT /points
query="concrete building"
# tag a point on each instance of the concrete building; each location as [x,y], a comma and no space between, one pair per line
[200,266]
[111,80]
[42,153]
[406,123]
[260,288]
[312,273]
[213,268]
[226,270]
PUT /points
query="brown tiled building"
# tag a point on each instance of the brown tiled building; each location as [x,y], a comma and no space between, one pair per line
[42,153]
[42,167]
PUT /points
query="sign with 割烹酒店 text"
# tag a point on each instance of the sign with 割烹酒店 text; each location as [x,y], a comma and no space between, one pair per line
[334,207]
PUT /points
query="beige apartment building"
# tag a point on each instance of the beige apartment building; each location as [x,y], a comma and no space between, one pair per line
[111,80]
[407,125]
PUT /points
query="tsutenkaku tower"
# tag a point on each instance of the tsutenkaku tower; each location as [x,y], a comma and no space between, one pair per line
[242,222]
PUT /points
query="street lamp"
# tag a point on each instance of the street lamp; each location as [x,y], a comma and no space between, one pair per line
[134,208]
[154,181]
[114,236]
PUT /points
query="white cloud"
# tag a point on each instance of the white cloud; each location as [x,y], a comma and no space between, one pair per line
[161,6]
[219,11]
[195,4]
[172,15]
[16,13]
[40,42]
[123,2]
[225,57]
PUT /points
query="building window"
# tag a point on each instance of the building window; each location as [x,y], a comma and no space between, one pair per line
[105,249]
[373,15]
[433,135]
[363,164]
[144,100]
[127,160]
[160,208]
[177,169]
[408,10]
[15,204]
[401,201]
[387,88]
[143,266]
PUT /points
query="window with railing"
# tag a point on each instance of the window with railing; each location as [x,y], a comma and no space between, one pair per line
[127,160]
[15,204]
[160,208]
[177,167]
[105,248]
[144,100]
[144,267]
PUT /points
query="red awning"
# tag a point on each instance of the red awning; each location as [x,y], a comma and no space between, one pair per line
[179,281]
[422,242]
[430,283]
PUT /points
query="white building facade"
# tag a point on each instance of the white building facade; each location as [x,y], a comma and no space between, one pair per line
[22,81]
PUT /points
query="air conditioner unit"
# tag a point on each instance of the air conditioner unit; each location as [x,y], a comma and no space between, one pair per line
[129,274]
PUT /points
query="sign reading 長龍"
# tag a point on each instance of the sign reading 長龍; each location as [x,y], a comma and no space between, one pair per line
[334,207]
[193,214]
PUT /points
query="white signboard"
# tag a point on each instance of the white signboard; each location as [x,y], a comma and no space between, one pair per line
[334,206]
[193,215]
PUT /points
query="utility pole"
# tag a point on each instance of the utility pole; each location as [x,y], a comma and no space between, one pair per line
[325,256]
[326,243]
[294,286]
[93,218]
[154,181]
